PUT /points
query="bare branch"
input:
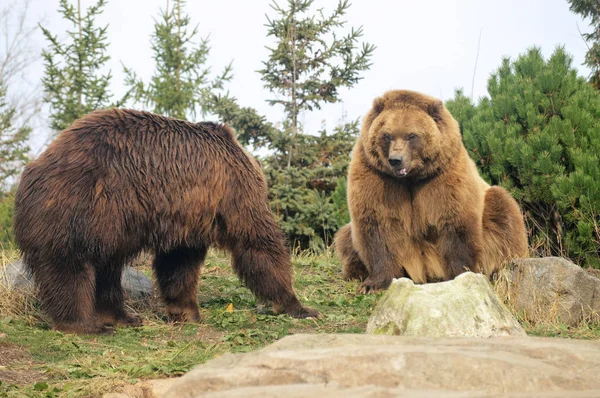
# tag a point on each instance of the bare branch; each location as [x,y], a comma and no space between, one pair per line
[17,55]
[475,68]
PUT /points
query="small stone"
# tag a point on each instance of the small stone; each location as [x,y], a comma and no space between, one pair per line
[137,285]
[3,336]
[15,276]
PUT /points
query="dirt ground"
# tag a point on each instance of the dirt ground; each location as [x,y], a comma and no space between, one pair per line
[15,365]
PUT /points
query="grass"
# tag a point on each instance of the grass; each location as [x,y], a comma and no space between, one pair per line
[38,362]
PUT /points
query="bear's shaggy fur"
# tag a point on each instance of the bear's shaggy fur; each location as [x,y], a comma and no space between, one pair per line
[120,181]
[418,206]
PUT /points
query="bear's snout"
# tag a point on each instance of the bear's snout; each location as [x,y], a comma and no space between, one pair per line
[395,161]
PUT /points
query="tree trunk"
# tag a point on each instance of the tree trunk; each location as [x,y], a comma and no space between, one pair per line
[80,89]
[294,101]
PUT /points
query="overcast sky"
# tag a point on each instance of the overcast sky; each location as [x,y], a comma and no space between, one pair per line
[426,45]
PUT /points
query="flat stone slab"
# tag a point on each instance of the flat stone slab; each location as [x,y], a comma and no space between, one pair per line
[348,365]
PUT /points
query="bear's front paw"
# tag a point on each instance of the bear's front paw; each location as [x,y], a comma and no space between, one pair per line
[294,309]
[129,320]
[83,328]
[371,285]
[305,312]
[183,314]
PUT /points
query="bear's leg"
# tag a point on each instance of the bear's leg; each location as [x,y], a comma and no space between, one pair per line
[110,302]
[67,292]
[352,265]
[504,233]
[459,246]
[177,273]
[266,269]
[378,258]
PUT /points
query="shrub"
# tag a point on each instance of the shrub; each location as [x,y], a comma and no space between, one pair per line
[7,204]
[538,135]
[307,197]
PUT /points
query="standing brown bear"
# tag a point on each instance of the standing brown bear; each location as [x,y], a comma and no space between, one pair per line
[120,181]
[418,206]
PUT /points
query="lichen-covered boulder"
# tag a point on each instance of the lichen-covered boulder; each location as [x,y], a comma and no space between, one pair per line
[466,306]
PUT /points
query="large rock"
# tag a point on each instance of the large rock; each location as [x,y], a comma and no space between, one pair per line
[550,288]
[466,306]
[345,366]
[137,286]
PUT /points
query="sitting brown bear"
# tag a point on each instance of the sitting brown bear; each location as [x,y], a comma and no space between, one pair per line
[120,181]
[418,206]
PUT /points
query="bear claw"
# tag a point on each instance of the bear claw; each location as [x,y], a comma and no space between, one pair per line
[370,286]
[305,312]
[131,321]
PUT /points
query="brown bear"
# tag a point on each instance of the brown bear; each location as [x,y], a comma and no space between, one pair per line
[121,181]
[418,206]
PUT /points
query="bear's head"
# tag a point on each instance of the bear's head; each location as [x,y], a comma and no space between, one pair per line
[410,135]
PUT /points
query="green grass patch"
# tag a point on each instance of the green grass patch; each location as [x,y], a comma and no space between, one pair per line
[56,364]
[583,331]
[36,361]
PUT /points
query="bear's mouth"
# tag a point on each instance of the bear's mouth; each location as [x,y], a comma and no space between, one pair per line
[401,171]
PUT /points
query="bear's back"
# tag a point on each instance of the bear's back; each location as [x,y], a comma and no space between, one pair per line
[120,165]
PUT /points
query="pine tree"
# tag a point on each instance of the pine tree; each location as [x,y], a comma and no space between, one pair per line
[18,58]
[13,142]
[308,65]
[306,173]
[307,198]
[310,61]
[590,9]
[73,80]
[180,85]
[252,129]
[7,207]
[538,135]
[13,156]
[19,105]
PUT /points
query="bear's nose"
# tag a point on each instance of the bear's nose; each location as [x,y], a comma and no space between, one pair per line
[395,160]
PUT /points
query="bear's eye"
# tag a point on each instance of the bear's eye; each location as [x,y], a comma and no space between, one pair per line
[387,137]
[412,137]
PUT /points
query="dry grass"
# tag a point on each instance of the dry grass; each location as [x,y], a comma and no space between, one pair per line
[542,317]
[507,290]
[21,304]
[8,254]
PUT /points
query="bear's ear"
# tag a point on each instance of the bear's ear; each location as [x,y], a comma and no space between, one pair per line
[378,105]
[376,109]
[435,110]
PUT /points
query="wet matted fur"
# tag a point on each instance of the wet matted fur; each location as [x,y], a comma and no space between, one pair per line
[120,181]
